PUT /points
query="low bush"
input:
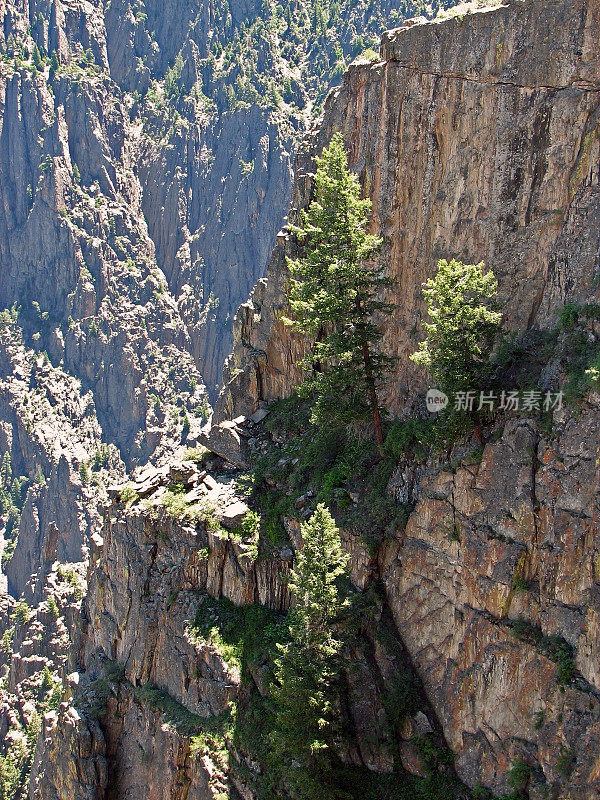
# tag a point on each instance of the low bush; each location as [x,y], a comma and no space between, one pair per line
[554,647]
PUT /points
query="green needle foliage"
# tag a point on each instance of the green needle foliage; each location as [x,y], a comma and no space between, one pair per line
[306,673]
[334,294]
[464,324]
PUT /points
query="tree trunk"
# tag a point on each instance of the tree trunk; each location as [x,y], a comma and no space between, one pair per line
[373,396]
[478,433]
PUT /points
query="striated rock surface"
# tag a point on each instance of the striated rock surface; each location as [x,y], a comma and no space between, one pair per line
[476,138]
[513,537]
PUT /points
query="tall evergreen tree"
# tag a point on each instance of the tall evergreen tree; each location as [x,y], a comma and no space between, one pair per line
[335,291]
[307,670]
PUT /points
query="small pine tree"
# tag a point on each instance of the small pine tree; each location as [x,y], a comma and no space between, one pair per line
[334,294]
[462,305]
[15,493]
[307,669]
[53,64]
[37,57]
[172,86]
[6,471]
[288,92]
[84,473]
[10,775]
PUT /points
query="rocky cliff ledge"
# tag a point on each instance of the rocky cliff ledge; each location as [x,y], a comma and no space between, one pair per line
[172,663]
[482,608]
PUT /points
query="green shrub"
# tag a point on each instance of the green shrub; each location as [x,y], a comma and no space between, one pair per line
[175,503]
[7,639]
[560,652]
[199,454]
[565,762]
[402,700]
[553,647]
[21,612]
[464,325]
[520,584]
[53,607]
[243,635]
[413,436]
[128,495]
[519,775]
[568,316]
[369,55]
[84,473]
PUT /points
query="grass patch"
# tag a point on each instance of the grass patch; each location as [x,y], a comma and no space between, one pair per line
[243,635]
[128,495]
[184,721]
[198,454]
[334,466]
[557,649]
[176,506]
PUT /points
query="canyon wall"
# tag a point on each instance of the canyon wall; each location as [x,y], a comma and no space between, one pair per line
[476,138]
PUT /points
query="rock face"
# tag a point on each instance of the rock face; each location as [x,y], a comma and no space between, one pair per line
[478,139]
[489,593]
[49,427]
[511,538]
[214,221]
[475,138]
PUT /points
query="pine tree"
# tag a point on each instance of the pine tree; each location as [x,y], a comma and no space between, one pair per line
[334,294]
[37,57]
[54,64]
[84,473]
[464,323]
[308,667]
[15,493]
[6,471]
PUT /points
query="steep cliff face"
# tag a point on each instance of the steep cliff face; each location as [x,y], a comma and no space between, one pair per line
[523,546]
[476,138]
[489,593]
[145,167]
[144,173]
[165,700]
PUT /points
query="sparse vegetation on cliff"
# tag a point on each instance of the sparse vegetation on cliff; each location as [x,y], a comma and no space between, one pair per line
[338,466]
[13,491]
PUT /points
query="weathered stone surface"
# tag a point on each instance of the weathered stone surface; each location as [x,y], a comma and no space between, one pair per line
[520,513]
[467,150]
[226,440]
[151,761]
[70,759]
[233,514]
